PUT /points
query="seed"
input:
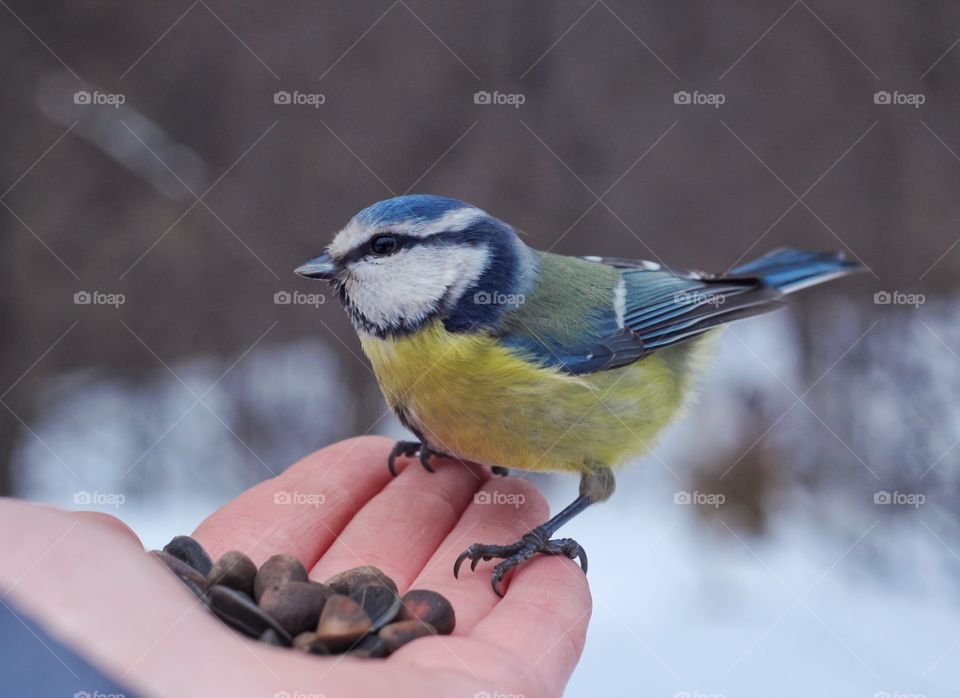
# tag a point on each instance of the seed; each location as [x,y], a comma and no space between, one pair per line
[190,551]
[237,610]
[347,582]
[317,647]
[302,641]
[296,605]
[342,622]
[370,646]
[184,572]
[277,570]
[428,607]
[234,570]
[396,635]
[357,612]
[270,637]
[308,642]
[381,603]
[197,591]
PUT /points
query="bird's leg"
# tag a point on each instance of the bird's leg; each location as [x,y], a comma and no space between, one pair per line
[410,449]
[499,470]
[595,486]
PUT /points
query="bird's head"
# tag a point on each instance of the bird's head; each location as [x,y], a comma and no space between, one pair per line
[403,262]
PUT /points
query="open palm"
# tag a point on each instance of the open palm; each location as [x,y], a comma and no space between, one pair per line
[336,509]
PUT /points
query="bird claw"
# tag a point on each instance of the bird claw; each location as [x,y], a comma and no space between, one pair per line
[513,555]
[409,449]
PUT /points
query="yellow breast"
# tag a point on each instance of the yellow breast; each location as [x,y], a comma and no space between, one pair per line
[472,398]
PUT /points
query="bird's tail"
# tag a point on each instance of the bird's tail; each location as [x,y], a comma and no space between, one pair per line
[789,270]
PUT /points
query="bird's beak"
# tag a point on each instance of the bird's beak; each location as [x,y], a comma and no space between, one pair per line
[322,267]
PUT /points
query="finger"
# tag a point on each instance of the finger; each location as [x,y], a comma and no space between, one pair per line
[542,620]
[400,528]
[504,509]
[301,511]
[107,521]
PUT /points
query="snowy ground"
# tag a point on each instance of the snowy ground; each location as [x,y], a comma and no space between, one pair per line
[681,611]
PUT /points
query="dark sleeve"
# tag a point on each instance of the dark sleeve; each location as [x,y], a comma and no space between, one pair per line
[33,664]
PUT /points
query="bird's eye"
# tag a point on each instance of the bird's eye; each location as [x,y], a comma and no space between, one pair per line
[383,244]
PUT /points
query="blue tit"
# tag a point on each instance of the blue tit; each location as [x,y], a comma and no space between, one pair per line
[493,352]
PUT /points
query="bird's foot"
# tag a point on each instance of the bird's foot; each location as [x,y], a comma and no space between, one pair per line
[499,470]
[536,541]
[410,449]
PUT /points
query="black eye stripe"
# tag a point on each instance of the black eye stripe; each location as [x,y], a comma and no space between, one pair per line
[404,241]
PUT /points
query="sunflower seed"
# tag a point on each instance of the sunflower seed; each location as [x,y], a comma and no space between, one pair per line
[190,551]
[429,607]
[277,570]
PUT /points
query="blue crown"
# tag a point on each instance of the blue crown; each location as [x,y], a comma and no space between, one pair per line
[410,208]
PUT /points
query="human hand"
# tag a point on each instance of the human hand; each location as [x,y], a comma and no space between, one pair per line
[85,578]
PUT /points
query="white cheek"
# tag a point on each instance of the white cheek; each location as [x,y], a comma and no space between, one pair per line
[408,287]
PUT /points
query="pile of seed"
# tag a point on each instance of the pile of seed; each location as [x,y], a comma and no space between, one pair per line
[357,612]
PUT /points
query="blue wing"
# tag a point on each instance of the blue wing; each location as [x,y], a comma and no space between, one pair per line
[656,308]
[666,307]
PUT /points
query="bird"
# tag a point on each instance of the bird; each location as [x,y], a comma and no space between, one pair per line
[495,353]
